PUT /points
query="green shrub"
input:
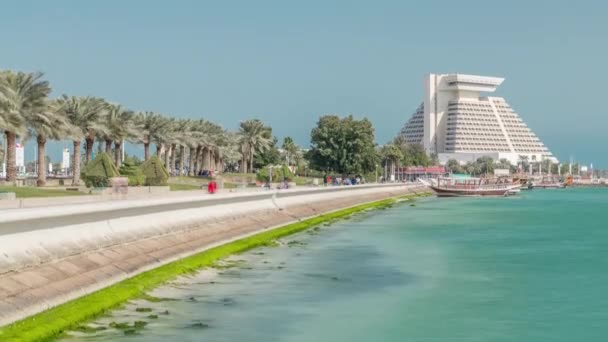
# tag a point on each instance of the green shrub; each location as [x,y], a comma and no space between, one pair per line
[132,172]
[279,173]
[155,172]
[98,172]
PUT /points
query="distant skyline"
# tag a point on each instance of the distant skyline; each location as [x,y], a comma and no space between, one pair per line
[288,63]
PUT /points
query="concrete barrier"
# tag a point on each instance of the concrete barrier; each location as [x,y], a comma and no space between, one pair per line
[46,267]
[43,245]
[7,196]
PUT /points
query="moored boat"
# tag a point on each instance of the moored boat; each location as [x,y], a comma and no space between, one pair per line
[471,187]
[549,183]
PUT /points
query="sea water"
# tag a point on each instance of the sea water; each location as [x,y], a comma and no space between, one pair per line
[532,267]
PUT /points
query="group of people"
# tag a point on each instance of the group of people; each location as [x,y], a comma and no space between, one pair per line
[338,180]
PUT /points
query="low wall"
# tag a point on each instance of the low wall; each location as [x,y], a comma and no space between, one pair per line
[32,181]
[43,268]
[7,196]
[132,190]
[102,195]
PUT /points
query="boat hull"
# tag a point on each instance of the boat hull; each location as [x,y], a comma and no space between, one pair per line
[441,192]
[548,186]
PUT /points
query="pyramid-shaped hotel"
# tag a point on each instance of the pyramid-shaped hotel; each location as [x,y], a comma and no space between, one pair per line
[456,122]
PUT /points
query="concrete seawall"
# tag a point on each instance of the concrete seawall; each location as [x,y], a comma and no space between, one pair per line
[50,264]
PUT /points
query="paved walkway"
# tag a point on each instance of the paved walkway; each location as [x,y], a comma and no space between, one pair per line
[28,219]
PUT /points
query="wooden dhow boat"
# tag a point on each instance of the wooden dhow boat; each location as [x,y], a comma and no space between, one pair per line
[549,183]
[472,187]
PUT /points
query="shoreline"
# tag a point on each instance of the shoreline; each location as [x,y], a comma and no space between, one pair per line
[51,323]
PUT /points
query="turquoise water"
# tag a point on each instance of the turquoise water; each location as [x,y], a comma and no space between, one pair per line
[526,268]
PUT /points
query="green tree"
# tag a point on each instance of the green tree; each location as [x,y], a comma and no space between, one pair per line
[48,123]
[343,145]
[183,137]
[269,156]
[454,166]
[486,165]
[391,155]
[414,155]
[120,126]
[84,114]
[255,137]
[21,95]
[150,124]
[290,150]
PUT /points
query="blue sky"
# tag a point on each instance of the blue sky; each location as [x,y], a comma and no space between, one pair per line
[289,62]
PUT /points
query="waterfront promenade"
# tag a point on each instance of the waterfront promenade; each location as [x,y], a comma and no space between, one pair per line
[57,253]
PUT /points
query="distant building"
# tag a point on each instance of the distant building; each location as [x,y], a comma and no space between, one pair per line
[411,173]
[455,122]
[65,159]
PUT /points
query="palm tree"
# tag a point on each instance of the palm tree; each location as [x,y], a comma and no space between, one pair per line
[120,126]
[254,138]
[150,124]
[84,113]
[167,137]
[163,135]
[290,149]
[391,155]
[203,135]
[230,148]
[21,95]
[180,137]
[11,124]
[212,140]
[48,123]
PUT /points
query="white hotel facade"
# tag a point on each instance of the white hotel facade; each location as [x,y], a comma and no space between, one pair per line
[456,122]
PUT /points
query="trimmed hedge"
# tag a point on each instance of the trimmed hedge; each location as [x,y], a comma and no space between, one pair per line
[98,172]
[132,172]
[155,172]
[278,174]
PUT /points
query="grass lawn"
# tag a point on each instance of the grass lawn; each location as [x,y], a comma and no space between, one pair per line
[180,183]
[29,192]
[189,180]
[305,180]
[183,187]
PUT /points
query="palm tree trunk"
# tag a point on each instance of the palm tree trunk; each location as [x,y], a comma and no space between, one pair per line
[41,139]
[146,151]
[118,153]
[11,158]
[182,162]
[90,142]
[205,158]
[244,154]
[211,160]
[251,159]
[167,157]
[160,150]
[109,146]
[173,156]
[191,165]
[76,163]
[197,160]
